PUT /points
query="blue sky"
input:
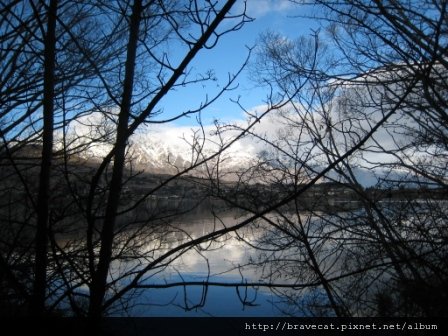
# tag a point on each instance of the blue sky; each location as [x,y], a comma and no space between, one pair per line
[230,53]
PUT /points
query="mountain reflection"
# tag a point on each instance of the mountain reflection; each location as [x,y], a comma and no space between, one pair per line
[224,260]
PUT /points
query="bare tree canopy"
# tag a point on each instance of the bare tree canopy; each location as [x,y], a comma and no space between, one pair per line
[78,62]
[342,209]
[357,168]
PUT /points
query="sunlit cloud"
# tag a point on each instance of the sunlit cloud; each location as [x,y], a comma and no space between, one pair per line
[292,128]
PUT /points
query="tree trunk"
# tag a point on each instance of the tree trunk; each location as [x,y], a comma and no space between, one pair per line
[99,280]
[41,239]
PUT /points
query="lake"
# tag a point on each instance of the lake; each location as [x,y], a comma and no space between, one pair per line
[223,261]
[229,277]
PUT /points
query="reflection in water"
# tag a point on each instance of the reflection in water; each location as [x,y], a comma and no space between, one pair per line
[225,260]
[303,249]
[219,301]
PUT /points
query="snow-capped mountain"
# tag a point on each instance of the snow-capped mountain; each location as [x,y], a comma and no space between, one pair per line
[162,149]
[168,150]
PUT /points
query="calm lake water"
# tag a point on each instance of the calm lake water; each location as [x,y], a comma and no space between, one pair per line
[231,260]
[220,261]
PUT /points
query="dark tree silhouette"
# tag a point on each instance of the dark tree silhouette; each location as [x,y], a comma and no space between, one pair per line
[364,105]
[83,217]
[43,197]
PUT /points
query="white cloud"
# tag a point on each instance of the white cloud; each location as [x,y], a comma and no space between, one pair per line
[157,143]
[260,8]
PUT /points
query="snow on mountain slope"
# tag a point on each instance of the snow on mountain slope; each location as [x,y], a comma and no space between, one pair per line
[158,148]
[168,149]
